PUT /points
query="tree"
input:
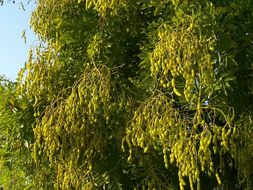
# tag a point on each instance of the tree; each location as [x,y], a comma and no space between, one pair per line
[142,94]
[16,136]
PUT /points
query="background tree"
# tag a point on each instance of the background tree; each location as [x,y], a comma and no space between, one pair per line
[16,137]
[141,94]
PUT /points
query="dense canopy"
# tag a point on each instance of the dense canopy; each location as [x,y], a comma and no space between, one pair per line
[134,94]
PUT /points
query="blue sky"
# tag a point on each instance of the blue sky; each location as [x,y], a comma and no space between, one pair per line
[13,50]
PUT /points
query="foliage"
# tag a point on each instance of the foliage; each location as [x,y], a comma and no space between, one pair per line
[17,167]
[16,138]
[140,94]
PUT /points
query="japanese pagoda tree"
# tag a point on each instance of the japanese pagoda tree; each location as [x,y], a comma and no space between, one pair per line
[137,94]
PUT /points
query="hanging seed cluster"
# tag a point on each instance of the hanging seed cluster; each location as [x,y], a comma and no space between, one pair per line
[182,53]
[71,131]
[41,25]
[45,18]
[156,124]
[44,75]
[36,73]
[153,123]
